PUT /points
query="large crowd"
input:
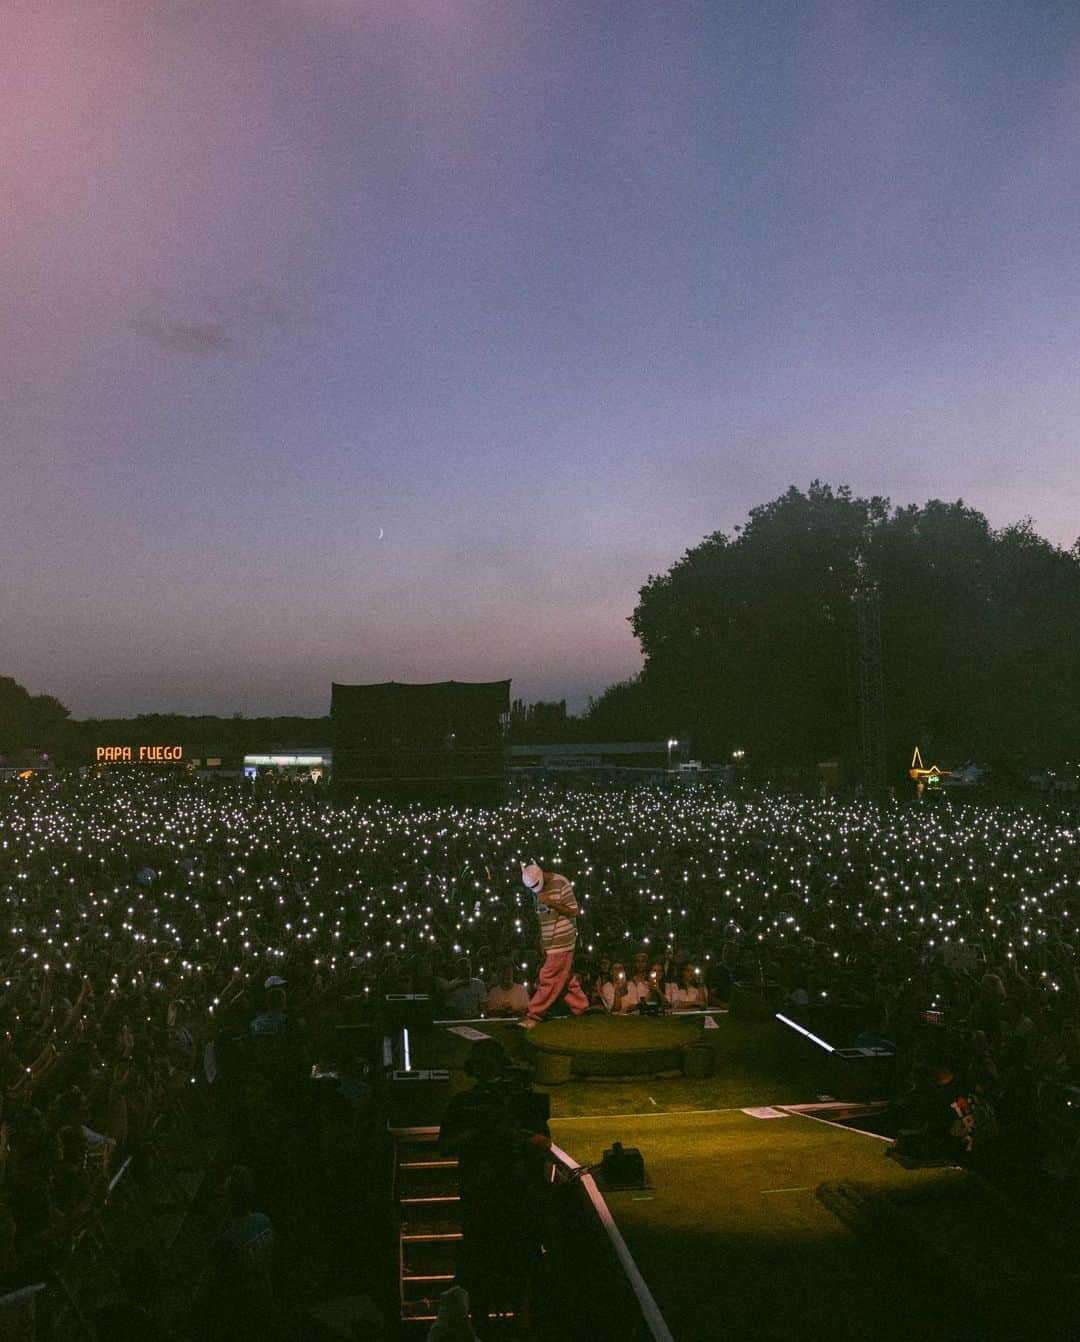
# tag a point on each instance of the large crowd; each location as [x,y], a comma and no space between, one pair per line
[143,917]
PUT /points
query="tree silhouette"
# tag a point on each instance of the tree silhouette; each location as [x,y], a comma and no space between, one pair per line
[29,721]
[749,640]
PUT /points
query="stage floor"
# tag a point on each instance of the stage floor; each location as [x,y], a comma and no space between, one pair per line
[733,1239]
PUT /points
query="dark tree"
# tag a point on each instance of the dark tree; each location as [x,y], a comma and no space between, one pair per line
[749,640]
[628,711]
[29,721]
[540,723]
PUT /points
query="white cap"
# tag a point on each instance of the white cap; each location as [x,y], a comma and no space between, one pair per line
[274,981]
[532,876]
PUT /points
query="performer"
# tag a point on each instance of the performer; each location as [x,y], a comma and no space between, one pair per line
[557,910]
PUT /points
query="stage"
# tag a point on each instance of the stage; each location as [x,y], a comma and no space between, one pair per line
[777,1225]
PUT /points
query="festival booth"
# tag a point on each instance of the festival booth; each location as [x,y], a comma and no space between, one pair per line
[315,765]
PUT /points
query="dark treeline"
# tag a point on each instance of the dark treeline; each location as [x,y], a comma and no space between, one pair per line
[29,721]
[749,640]
[42,723]
[749,643]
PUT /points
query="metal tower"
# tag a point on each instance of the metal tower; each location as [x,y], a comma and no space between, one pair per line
[870,685]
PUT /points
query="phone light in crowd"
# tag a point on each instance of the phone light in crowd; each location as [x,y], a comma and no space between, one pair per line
[803,1030]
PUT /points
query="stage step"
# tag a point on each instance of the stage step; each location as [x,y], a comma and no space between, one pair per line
[420,1311]
[427,1183]
[431,1211]
[430,1234]
[433,1258]
[429,1206]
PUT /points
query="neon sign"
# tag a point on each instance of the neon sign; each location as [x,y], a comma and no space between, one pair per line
[925,777]
[139,754]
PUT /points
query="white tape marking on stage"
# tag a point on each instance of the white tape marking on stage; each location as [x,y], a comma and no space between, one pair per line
[467,1032]
[803,1030]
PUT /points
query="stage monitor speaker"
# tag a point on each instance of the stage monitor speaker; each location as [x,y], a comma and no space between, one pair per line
[418,1098]
[408,1011]
[623,1167]
[862,1074]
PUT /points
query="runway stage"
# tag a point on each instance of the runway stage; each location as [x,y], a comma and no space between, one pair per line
[783,1226]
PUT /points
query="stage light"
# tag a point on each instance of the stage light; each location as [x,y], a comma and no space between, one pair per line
[804,1031]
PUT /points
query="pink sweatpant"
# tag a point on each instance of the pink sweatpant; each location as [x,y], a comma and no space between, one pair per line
[557,979]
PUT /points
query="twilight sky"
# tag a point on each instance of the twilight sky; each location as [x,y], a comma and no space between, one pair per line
[543,291]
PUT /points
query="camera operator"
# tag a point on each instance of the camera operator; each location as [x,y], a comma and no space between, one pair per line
[498,1132]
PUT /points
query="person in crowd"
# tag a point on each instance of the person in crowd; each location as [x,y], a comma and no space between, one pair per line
[664,972]
[181,1040]
[718,976]
[452,1321]
[71,1188]
[644,986]
[463,996]
[598,976]
[237,1293]
[986,1010]
[619,997]
[557,913]
[274,1021]
[689,993]
[506,997]
[499,1134]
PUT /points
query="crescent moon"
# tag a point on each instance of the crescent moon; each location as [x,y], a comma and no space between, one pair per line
[380,533]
